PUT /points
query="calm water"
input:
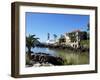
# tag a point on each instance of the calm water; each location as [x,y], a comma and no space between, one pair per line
[76,57]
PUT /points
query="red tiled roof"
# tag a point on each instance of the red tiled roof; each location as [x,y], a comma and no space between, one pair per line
[76,30]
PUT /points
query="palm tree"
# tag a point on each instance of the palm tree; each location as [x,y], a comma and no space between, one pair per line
[31,41]
[88,29]
[88,26]
[48,36]
[55,36]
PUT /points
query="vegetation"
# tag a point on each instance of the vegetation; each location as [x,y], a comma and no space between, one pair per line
[31,41]
[88,29]
[88,26]
[62,39]
[55,37]
[84,43]
[74,58]
[81,35]
[68,59]
[28,61]
[48,36]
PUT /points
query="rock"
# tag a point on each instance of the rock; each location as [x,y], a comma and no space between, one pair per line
[37,64]
[43,58]
[47,64]
[55,60]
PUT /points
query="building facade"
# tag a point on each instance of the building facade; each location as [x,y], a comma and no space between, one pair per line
[73,38]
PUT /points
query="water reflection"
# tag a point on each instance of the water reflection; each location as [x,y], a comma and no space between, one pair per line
[44,50]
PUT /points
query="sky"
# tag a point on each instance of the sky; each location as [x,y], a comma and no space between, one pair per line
[41,24]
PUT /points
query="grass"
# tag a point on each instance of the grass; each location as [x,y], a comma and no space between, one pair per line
[69,57]
[74,58]
[84,43]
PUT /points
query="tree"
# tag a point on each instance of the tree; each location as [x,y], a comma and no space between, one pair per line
[48,36]
[62,39]
[55,36]
[31,41]
[88,28]
[83,35]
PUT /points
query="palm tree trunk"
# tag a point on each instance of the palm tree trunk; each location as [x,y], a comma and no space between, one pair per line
[29,53]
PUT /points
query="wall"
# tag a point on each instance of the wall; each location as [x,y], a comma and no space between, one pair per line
[5,40]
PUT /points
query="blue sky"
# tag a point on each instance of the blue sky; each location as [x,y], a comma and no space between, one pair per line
[42,23]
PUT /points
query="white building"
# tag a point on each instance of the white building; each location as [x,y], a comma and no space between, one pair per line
[67,39]
[74,44]
[50,41]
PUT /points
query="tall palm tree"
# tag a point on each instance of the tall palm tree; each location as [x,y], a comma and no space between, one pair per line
[55,36]
[48,36]
[31,41]
[88,29]
[88,26]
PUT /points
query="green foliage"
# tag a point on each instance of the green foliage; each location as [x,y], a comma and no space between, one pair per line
[84,43]
[65,62]
[83,35]
[55,36]
[62,39]
[68,62]
[28,61]
[88,26]
[48,36]
[31,41]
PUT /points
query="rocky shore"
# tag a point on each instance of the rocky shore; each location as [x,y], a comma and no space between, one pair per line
[44,59]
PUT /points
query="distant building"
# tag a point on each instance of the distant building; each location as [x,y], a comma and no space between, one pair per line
[67,39]
[73,38]
[50,41]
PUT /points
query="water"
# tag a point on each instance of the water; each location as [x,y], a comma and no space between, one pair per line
[44,50]
[70,56]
